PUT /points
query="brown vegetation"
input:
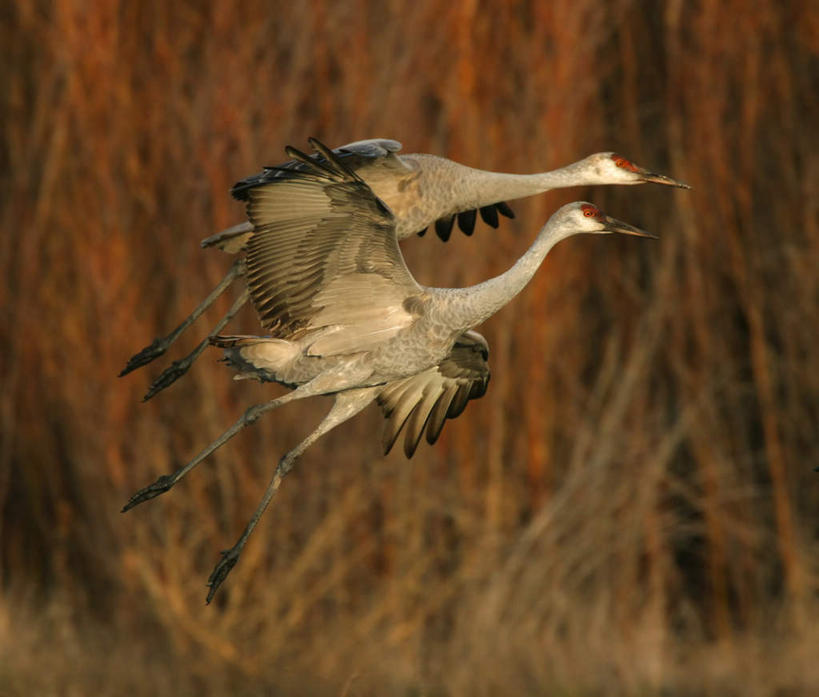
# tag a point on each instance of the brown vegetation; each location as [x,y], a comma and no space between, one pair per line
[631,509]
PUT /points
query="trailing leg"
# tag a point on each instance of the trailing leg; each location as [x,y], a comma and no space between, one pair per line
[161,344]
[347,404]
[166,481]
[178,368]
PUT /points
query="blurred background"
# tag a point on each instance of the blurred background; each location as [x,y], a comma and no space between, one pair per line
[631,509]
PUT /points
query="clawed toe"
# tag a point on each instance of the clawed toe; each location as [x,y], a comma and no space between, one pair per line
[169,376]
[160,486]
[221,570]
[145,356]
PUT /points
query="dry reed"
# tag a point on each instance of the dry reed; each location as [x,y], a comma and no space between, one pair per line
[631,509]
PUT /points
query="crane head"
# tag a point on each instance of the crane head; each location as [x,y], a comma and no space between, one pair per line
[611,168]
[586,217]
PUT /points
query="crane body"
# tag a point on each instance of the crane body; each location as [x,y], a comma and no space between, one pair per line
[346,318]
[420,190]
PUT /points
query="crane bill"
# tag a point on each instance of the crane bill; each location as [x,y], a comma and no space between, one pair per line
[654,178]
[613,225]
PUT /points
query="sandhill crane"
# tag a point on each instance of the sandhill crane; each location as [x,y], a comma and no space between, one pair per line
[421,190]
[346,317]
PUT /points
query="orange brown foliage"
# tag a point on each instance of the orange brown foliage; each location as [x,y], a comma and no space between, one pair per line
[632,505]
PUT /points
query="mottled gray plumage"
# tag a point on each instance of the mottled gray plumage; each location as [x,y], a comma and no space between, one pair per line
[424,401]
[421,402]
[327,277]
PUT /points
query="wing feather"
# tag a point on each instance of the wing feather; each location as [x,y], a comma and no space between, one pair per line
[490,215]
[438,415]
[363,153]
[402,397]
[324,257]
[420,416]
[422,403]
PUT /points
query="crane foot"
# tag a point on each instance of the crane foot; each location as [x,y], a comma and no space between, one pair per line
[169,376]
[160,486]
[222,569]
[157,347]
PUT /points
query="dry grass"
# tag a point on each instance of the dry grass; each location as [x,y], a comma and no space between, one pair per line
[631,509]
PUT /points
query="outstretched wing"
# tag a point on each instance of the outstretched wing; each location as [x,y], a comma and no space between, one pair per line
[376,160]
[376,152]
[426,400]
[353,156]
[323,258]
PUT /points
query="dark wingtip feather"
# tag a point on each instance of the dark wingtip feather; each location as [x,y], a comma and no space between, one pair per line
[438,415]
[240,190]
[313,163]
[414,431]
[392,427]
[466,221]
[459,402]
[331,160]
[443,227]
[504,209]
[490,215]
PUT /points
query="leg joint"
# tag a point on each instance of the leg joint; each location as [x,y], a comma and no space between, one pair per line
[285,465]
[252,414]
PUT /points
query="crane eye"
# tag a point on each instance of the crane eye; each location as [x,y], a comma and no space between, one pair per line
[623,163]
[590,211]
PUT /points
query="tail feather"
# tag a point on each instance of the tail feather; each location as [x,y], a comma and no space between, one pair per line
[256,357]
[233,340]
[232,240]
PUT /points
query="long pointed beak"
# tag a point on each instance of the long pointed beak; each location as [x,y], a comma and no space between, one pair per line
[613,225]
[654,178]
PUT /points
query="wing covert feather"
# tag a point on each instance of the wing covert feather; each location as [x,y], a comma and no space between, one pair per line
[324,257]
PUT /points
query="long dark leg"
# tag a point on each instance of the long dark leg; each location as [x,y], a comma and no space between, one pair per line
[161,344]
[178,368]
[166,481]
[347,405]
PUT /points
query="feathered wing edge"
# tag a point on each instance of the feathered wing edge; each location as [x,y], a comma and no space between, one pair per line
[422,403]
[352,156]
[305,272]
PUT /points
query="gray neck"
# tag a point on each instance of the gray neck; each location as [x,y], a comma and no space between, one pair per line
[491,187]
[466,308]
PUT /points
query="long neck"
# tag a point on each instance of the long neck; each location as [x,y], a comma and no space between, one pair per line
[455,187]
[465,308]
[491,187]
